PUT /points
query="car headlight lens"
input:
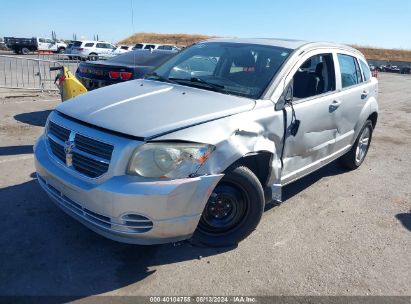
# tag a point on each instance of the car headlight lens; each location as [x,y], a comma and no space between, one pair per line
[168,160]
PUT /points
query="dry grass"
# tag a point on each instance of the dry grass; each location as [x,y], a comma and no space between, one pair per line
[186,39]
[385,54]
[177,39]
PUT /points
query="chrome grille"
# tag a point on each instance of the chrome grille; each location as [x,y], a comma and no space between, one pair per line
[85,155]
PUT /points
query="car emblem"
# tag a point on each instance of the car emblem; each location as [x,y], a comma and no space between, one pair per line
[69,146]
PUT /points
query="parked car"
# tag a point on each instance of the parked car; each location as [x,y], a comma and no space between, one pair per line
[131,65]
[390,68]
[92,50]
[154,46]
[26,45]
[171,157]
[121,49]
[69,49]
[406,70]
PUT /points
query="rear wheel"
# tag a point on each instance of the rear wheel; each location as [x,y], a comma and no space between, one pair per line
[233,210]
[25,51]
[93,57]
[355,157]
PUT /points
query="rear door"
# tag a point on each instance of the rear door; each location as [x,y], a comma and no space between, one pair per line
[314,89]
[354,91]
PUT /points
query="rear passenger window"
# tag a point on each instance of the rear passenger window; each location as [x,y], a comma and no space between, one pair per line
[365,70]
[165,47]
[350,71]
[314,77]
[89,45]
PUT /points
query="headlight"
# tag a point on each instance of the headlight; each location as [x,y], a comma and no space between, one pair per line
[168,160]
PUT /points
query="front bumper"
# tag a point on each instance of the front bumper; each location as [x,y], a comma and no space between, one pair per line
[125,209]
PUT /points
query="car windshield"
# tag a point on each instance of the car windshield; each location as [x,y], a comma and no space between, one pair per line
[231,68]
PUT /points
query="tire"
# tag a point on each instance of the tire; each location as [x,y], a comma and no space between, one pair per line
[233,210]
[25,51]
[61,50]
[93,57]
[354,158]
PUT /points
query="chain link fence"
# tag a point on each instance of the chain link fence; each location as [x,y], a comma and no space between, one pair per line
[32,72]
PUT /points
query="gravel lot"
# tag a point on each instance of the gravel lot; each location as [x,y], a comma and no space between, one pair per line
[337,233]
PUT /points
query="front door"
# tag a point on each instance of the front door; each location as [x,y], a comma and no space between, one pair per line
[314,124]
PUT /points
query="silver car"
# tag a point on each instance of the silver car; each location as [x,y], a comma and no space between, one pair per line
[197,148]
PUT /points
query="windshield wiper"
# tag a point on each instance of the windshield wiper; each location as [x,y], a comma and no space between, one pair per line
[202,82]
[159,77]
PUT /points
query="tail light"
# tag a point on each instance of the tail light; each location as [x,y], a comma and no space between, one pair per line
[126,75]
[79,49]
[62,78]
[114,75]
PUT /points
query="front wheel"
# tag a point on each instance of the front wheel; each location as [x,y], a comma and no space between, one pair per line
[233,210]
[355,157]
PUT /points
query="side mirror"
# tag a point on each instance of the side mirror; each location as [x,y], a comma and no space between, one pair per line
[287,97]
[289,94]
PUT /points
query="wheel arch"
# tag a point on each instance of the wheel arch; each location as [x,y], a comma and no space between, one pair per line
[373,117]
[258,162]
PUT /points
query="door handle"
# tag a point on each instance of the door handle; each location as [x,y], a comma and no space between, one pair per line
[334,106]
[364,94]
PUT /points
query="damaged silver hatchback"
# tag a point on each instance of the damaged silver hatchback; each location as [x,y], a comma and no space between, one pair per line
[199,146]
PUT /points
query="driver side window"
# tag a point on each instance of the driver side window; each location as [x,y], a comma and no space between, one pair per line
[315,76]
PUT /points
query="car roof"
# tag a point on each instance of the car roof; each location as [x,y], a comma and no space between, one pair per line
[284,43]
[94,41]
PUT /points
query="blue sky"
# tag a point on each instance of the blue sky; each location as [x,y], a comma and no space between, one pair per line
[380,23]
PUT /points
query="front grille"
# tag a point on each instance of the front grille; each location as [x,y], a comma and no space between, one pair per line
[130,223]
[90,157]
[60,132]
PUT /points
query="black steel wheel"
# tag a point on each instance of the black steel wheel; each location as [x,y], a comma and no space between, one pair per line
[233,210]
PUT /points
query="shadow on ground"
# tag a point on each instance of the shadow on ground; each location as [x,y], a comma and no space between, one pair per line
[16,150]
[405,219]
[37,118]
[300,185]
[46,252]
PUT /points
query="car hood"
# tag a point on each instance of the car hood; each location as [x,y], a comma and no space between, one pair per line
[146,108]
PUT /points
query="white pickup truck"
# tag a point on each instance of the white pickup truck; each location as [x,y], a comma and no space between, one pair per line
[26,45]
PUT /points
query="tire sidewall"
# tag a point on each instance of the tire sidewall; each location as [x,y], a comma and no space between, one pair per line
[368,124]
[244,178]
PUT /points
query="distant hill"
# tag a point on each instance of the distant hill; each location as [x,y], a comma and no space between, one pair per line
[187,39]
[177,39]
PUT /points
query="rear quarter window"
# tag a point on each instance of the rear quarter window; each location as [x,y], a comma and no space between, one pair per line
[366,70]
[350,71]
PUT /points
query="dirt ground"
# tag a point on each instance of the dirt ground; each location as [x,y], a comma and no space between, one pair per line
[336,233]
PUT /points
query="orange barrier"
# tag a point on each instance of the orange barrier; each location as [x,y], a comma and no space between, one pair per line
[45,52]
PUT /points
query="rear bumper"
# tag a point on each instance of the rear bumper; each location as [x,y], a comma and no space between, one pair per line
[125,210]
